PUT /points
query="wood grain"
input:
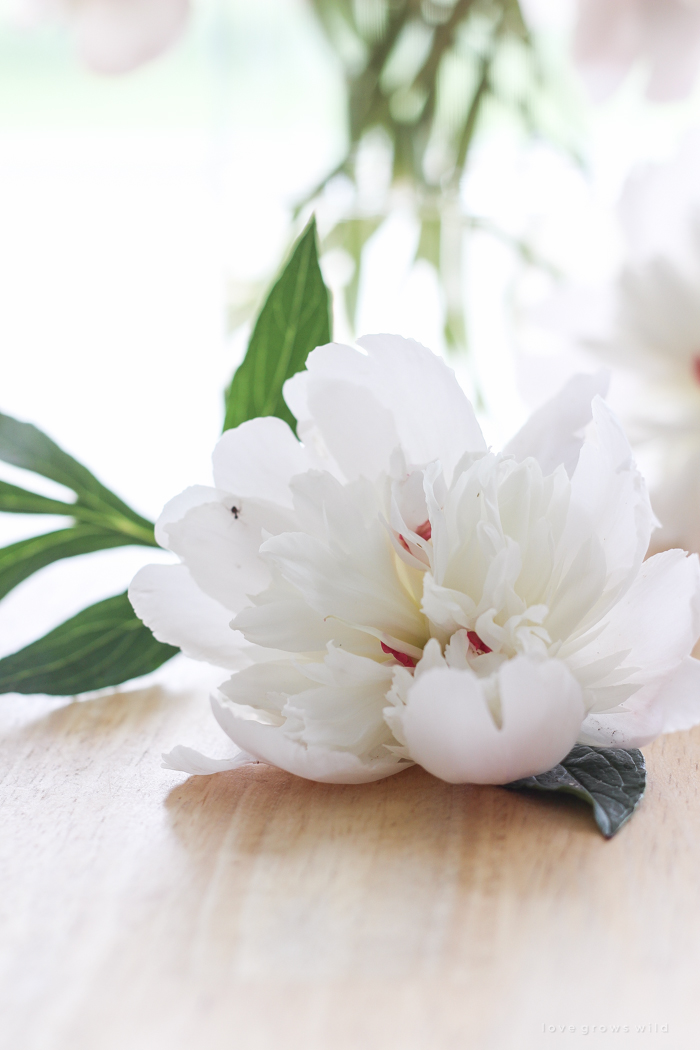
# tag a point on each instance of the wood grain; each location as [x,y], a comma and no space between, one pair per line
[141,909]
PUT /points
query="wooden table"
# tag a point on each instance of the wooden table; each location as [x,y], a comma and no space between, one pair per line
[145,910]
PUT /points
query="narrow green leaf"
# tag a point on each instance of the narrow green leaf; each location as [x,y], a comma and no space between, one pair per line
[102,646]
[20,560]
[24,445]
[14,500]
[294,320]
[611,780]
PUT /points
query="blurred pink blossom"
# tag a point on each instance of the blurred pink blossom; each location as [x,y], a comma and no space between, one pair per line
[610,35]
[113,36]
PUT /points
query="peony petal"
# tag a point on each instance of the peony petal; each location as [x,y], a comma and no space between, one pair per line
[681,697]
[674,706]
[270,744]
[187,760]
[450,731]
[554,433]
[347,569]
[430,412]
[258,459]
[176,508]
[168,601]
[656,623]
[609,500]
[357,430]
[220,546]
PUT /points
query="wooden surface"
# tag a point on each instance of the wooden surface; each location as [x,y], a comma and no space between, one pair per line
[142,909]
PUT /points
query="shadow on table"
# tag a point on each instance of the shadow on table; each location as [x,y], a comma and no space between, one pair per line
[258,805]
[320,880]
[123,710]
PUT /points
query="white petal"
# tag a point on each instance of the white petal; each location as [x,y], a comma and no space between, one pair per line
[187,760]
[408,391]
[269,744]
[554,433]
[609,500]
[657,623]
[675,706]
[681,697]
[358,431]
[115,36]
[280,619]
[450,731]
[221,548]
[176,508]
[168,601]
[258,459]
[348,569]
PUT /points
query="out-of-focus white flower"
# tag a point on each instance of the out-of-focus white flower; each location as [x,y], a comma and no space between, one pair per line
[401,594]
[610,35]
[113,36]
[647,324]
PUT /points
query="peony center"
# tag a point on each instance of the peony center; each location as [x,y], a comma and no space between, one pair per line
[402,658]
[481,647]
[425,531]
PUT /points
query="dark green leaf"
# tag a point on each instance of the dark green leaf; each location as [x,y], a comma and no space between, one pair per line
[24,445]
[294,320]
[102,646]
[611,780]
[20,560]
[14,500]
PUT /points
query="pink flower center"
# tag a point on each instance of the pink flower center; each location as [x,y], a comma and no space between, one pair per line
[424,531]
[402,658]
[481,647]
[696,368]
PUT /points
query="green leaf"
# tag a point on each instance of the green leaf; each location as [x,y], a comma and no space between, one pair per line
[102,646]
[20,560]
[611,780]
[294,320]
[24,445]
[14,500]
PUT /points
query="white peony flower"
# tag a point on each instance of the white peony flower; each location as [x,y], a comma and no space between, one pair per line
[401,594]
[647,324]
[113,36]
[610,35]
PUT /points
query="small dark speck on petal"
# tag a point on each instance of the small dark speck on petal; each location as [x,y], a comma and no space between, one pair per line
[235,511]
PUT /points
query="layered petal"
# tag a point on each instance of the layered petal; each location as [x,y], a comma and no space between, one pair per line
[654,629]
[323,721]
[675,706]
[344,566]
[609,511]
[258,459]
[178,612]
[451,730]
[404,395]
[220,541]
[553,434]
[176,508]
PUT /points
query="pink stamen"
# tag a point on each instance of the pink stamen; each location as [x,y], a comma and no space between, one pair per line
[402,658]
[696,368]
[481,647]
[424,531]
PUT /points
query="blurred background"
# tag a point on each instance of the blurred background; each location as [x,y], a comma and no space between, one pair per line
[466,162]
